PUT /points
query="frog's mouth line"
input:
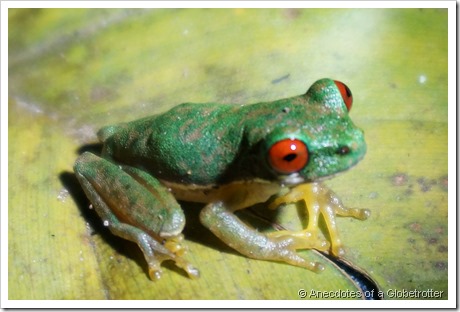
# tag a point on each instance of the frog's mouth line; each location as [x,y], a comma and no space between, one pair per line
[291,180]
[295,178]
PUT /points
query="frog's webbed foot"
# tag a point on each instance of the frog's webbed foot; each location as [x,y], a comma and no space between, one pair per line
[320,200]
[154,252]
[251,243]
[174,245]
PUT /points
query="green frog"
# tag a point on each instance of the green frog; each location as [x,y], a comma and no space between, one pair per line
[228,157]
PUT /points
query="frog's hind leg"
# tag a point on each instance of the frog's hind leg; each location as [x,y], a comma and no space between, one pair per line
[251,243]
[130,210]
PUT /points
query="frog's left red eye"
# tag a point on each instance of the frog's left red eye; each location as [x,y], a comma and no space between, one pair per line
[346,94]
[288,156]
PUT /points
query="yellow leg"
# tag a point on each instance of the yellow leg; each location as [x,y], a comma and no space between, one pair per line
[319,200]
[174,244]
[302,239]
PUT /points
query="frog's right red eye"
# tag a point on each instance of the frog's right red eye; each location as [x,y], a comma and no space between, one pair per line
[346,94]
[288,156]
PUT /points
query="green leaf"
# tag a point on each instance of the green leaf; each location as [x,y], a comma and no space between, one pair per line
[72,71]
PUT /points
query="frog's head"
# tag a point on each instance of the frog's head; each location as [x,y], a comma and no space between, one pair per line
[321,142]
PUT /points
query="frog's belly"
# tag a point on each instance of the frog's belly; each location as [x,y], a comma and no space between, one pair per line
[246,193]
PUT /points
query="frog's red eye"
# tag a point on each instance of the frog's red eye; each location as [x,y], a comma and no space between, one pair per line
[346,94]
[288,156]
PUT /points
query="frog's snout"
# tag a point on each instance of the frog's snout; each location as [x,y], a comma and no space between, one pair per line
[354,147]
[359,146]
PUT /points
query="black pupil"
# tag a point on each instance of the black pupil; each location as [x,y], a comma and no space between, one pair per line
[348,91]
[290,157]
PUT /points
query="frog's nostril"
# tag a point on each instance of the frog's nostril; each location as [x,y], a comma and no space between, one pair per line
[343,150]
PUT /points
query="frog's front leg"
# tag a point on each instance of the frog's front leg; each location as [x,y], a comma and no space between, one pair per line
[319,200]
[219,217]
[136,207]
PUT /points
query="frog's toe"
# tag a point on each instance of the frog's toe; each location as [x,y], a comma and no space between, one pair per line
[285,249]
[192,272]
[313,266]
[295,259]
[301,240]
[317,267]
[155,272]
[314,240]
[364,214]
[311,243]
[174,245]
[338,251]
[357,213]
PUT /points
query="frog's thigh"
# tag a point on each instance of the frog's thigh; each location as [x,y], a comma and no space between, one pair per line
[132,195]
[249,242]
[131,211]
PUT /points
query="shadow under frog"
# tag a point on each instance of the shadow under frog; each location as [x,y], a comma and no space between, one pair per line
[194,232]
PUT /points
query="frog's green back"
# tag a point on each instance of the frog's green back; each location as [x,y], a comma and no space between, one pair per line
[191,143]
[208,144]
